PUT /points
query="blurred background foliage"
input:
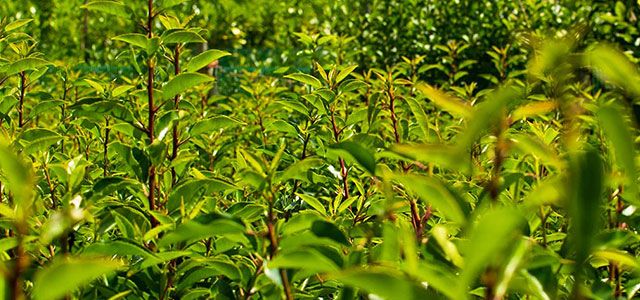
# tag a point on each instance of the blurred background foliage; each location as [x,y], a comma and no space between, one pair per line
[378,33]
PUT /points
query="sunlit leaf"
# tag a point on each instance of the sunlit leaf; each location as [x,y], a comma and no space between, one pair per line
[306,79]
[183,82]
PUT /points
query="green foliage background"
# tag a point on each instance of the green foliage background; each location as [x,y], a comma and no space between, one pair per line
[380,149]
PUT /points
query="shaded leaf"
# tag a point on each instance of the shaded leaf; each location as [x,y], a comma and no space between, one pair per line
[66,275]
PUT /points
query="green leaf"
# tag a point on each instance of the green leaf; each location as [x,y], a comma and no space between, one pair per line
[212,125]
[441,279]
[190,191]
[306,79]
[299,169]
[182,37]
[109,7]
[313,202]
[586,177]
[617,131]
[421,116]
[204,59]
[442,155]
[617,256]
[119,247]
[529,144]
[166,4]
[547,191]
[441,235]
[183,82]
[485,115]
[17,175]
[345,72]
[494,231]
[363,156]
[38,139]
[194,230]
[434,192]
[447,102]
[135,39]
[614,66]
[386,283]
[16,24]
[208,269]
[329,230]
[24,64]
[66,275]
[157,152]
[306,259]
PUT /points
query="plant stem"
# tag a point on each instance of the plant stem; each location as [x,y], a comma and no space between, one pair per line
[47,177]
[305,143]
[152,115]
[23,89]
[85,33]
[105,147]
[65,90]
[176,102]
[415,215]
[499,155]
[21,262]
[273,243]
[343,168]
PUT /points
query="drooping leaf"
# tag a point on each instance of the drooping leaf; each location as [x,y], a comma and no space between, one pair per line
[306,259]
[135,39]
[434,192]
[110,7]
[24,64]
[205,58]
[329,230]
[362,155]
[306,79]
[183,82]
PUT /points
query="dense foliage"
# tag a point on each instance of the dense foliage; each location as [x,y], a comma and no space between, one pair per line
[386,149]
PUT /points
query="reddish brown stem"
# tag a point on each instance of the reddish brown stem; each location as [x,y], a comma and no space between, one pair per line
[273,243]
[20,263]
[152,116]
[105,147]
[416,221]
[343,168]
[23,89]
[176,102]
